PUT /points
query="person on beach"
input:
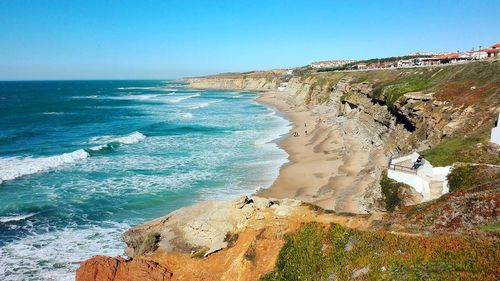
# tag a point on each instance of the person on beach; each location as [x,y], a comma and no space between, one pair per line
[295,134]
[306,132]
[419,162]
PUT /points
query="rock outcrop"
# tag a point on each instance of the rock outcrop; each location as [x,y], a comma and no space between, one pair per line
[249,233]
[119,269]
[204,228]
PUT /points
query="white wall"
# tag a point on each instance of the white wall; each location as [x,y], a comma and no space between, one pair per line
[495,132]
[419,184]
[421,181]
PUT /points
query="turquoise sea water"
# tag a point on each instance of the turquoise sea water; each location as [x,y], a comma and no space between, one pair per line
[82,161]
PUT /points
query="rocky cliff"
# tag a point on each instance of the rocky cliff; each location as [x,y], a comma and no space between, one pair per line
[390,112]
[406,109]
[213,240]
[448,111]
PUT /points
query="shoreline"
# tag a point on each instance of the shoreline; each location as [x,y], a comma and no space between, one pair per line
[325,166]
[330,167]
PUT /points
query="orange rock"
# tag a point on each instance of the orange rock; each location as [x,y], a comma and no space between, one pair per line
[101,268]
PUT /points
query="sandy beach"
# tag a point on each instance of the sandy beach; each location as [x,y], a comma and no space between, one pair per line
[327,166]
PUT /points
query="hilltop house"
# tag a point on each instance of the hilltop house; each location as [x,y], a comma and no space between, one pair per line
[496,48]
[361,66]
[405,63]
[479,54]
[427,61]
[330,63]
[454,57]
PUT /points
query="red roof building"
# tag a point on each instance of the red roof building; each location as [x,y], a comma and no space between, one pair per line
[496,46]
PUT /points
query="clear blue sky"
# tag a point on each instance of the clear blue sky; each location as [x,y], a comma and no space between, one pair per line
[72,39]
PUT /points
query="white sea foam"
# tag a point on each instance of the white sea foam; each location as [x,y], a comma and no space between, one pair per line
[275,134]
[135,88]
[204,104]
[133,138]
[61,251]
[53,113]
[85,97]
[15,167]
[133,97]
[186,115]
[176,99]
[16,217]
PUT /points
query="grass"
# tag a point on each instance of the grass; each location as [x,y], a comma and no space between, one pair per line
[231,239]
[395,89]
[461,149]
[391,192]
[464,177]
[316,253]
[251,253]
[471,207]
[148,245]
[491,227]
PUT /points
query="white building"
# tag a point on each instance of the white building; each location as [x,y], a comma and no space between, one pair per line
[405,63]
[495,132]
[330,63]
[479,55]
[429,181]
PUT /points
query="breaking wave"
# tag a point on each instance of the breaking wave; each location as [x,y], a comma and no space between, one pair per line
[177,99]
[204,104]
[15,167]
[133,138]
[16,217]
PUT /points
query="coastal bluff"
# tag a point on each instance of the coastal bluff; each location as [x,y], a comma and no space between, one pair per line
[352,122]
[332,214]
[211,240]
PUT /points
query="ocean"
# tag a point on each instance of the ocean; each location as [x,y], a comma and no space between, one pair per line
[82,161]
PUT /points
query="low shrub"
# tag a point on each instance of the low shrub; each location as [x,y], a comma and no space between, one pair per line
[467,176]
[391,192]
[318,253]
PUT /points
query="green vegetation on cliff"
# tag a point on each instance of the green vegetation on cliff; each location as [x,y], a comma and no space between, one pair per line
[463,177]
[391,192]
[474,149]
[471,207]
[338,253]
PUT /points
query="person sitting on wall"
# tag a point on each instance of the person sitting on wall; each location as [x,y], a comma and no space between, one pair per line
[419,162]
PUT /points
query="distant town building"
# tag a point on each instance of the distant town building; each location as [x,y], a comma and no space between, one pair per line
[330,63]
[405,63]
[426,54]
[361,66]
[426,61]
[479,54]
[420,59]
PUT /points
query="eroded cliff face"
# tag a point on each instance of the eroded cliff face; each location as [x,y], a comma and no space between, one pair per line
[119,269]
[406,109]
[382,113]
[245,84]
[377,113]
